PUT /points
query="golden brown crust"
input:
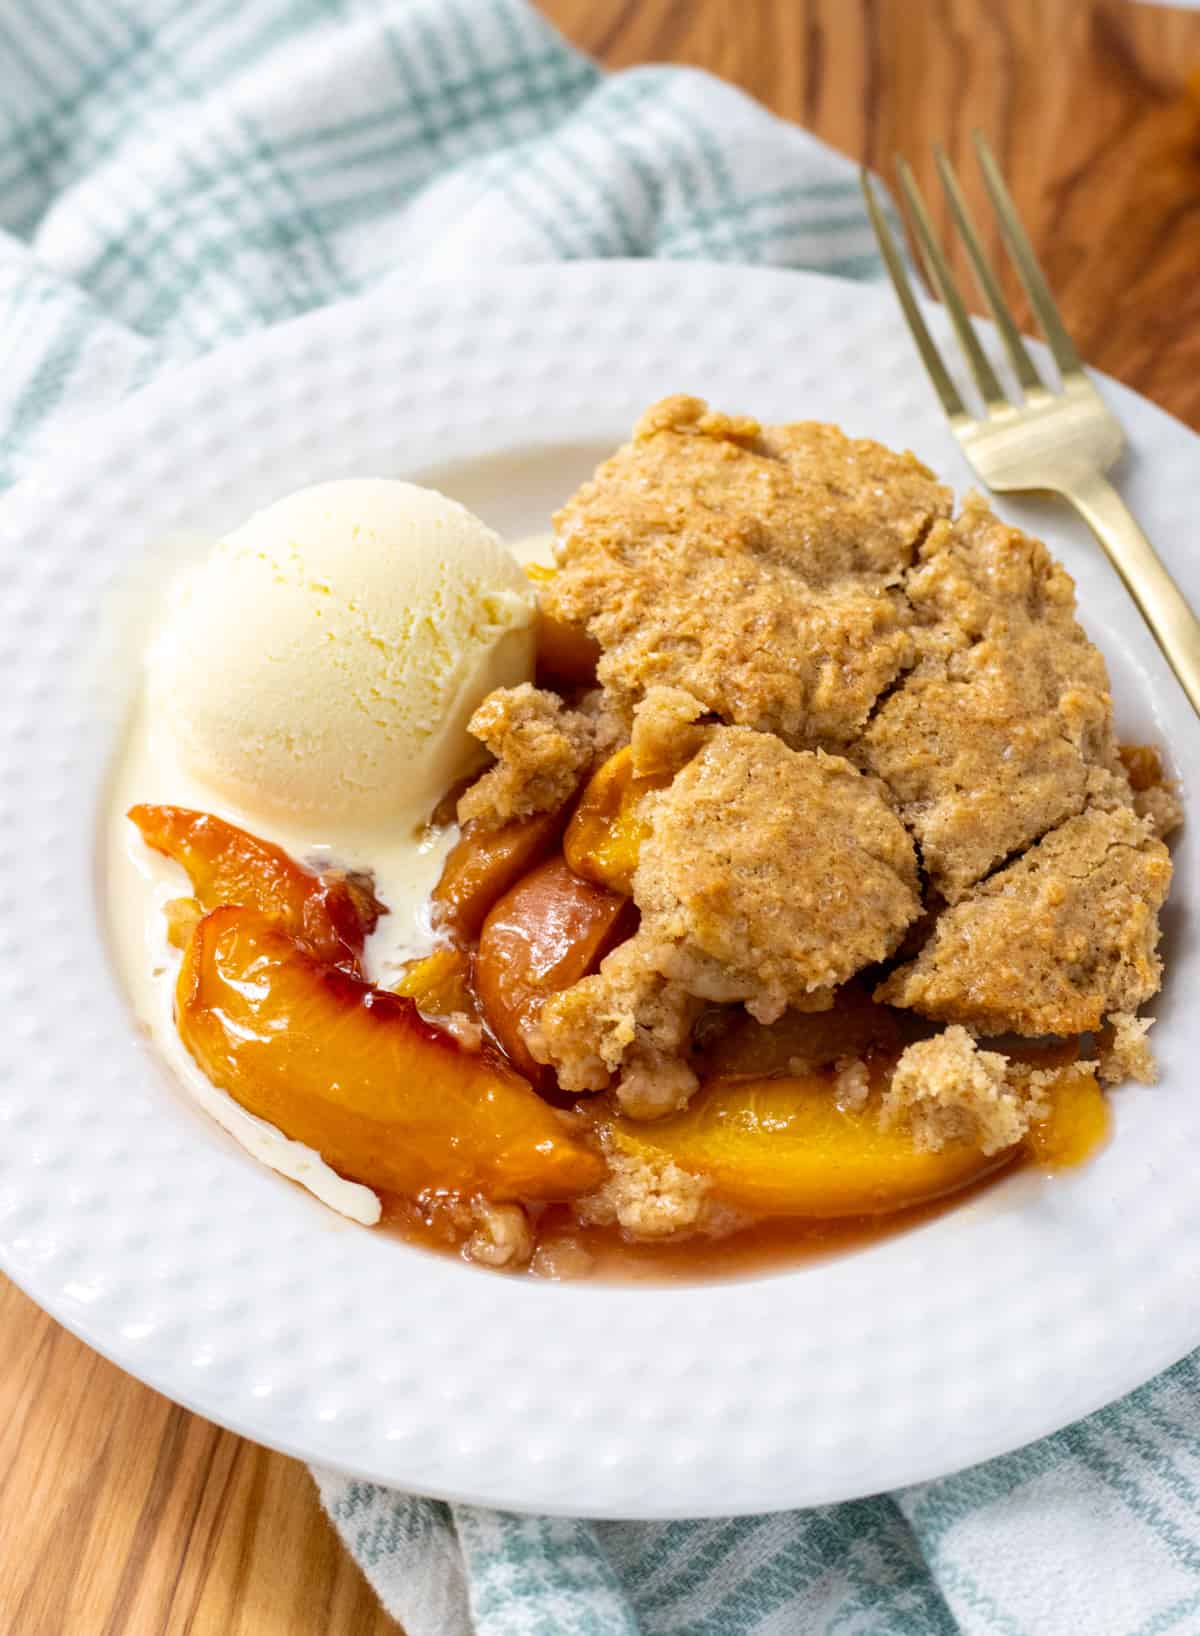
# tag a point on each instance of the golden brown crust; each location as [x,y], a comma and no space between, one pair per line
[771,875]
[754,567]
[1160,807]
[1052,943]
[541,749]
[988,743]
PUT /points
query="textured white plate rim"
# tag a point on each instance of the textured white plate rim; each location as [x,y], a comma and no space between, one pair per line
[257,1311]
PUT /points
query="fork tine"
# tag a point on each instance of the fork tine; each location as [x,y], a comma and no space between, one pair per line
[1023,365]
[930,356]
[977,359]
[1026,263]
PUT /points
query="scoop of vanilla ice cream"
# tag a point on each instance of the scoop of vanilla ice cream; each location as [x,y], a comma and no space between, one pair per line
[322,663]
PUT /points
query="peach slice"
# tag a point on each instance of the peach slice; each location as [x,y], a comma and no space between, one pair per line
[482,865]
[565,652]
[1075,1126]
[443,987]
[331,913]
[605,834]
[783,1147]
[441,983]
[354,1072]
[545,934]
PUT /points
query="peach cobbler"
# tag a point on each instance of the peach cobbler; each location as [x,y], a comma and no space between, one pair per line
[781,864]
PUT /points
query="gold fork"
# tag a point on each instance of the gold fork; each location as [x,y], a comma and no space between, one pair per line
[1060,440]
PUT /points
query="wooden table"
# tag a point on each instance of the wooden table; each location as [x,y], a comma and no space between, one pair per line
[120,1513]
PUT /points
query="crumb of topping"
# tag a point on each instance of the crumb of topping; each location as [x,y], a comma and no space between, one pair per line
[666,734]
[1154,795]
[946,1089]
[561,1259]
[654,1084]
[987,744]
[756,567]
[1054,942]
[1125,1052]
[1160,807]
[541,751]
[503,1236]
[851,1084]
[586,1031]
[649,1197]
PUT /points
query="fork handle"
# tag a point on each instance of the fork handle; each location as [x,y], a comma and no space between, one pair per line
[1175,626]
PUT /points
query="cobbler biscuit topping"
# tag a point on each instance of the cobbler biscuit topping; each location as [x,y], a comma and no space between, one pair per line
[1055,942]
[757,568]
[764,597]
[987,743]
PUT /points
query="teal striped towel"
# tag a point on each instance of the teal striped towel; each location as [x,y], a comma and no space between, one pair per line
[174,173]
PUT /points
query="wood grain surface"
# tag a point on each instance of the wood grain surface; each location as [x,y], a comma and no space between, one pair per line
[121,1515]
[1092,108]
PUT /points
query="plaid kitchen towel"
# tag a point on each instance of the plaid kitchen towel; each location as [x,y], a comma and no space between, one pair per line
[174,173]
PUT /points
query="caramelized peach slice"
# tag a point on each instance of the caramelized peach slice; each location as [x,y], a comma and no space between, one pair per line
[545,934]
[565,652]
[783,1147]
[440,984]
[443,988]
[1076,1125]
[482,865]
[355,1073]
[605,834]
[332,913]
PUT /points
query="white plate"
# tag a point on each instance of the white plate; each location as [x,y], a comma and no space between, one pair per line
[142,1228]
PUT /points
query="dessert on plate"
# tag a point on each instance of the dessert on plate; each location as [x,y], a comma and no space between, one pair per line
[760,869]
